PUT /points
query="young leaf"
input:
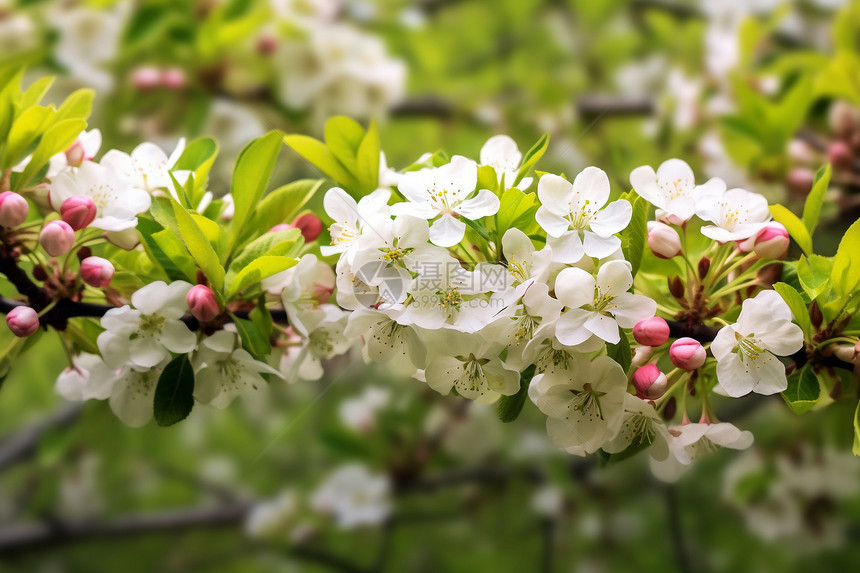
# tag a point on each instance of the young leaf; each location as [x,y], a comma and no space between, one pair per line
[58,138]
[253,339]
[174,394]
[343,136]
[517,209]
[812,206]
[846,264]
[258,270]
[251,176]
[803,390]
[794,226]
[319,155]
[531,158]
[509,407]
[635,235]
[284,203]
[798,308]
[814,274]
[621,353]
[367,159]
[199,247]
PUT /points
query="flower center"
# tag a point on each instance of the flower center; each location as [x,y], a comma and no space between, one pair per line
[587,402]
[450,301]
[750,346]
[581,220]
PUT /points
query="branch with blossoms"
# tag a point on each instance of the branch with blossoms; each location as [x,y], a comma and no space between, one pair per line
[480,277]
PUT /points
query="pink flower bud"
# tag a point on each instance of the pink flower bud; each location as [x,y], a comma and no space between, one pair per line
[57,238]
[23,321]
[687,353]
[641,355]
[799,181]
[840,155]
[847,352]
[146,78]
[267,44]
[280,227]
[76,154]
[13,209]
[96,271]
[772,241]
[202,304]
[174,78]
[78,211]
[310,226]
[651,332]
[663,241]
[649,382]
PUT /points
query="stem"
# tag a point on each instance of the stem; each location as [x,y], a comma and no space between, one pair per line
[734,288]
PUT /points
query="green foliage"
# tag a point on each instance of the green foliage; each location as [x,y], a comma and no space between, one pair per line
[283,204]
[814,274]
[517,211]
[254,340]
[845,275]
[508,408]
[795,227]
[531,157]
[174,394]
[200,248]
[251,176]
[803,390]
[798,308]
[812,206]
[635,235]
[349,155]
[621,352]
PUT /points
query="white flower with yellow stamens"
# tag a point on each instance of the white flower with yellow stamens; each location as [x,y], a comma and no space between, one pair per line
[446,192]
[736,215]
[352,219]
[747,351]
[573,216]
[672,189]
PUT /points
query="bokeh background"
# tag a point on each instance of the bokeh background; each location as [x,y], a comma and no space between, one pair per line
[363,472]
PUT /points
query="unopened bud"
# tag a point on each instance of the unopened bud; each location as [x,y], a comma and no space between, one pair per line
[146,78]
[78,211]
[815,314]
[772,241]
[649,382]
[76,154]
[22,321]
[641,355]
[310,226]
[96,271]
[847,352]
[653,331]
[840,155]
[676,287]
[799,181]
[704,267]
[202,304]
[173,78]
[57,238]
[13,209]
[687,354]
[663,240]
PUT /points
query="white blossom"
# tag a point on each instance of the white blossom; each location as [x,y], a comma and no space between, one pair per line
[672,189]
[354,496]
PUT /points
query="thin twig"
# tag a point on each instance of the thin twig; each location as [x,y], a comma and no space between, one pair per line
[23,444]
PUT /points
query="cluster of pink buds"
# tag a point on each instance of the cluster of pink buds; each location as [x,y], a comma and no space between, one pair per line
[147,78]
[685,353]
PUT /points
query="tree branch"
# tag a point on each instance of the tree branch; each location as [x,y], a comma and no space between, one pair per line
[24,444]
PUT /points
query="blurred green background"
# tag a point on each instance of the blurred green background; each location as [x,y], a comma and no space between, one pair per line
[748,91]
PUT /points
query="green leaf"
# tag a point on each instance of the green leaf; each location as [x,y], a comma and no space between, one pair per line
[174,394]
[803,390]
[635,235]
[26,130]
[794,226]
[58,138]
[798,308]
[78,105]
[278,243]
[531,158]
[814,274]
[198,156]
[200,248]
[251,176]
[343,136]
[258,270]
[846,264]
[368,159]
[36,91]
[320,156]
[261,317]
[812,206]
[509,407]
[167,250]
[517,210]
[253,339]
[621,353]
